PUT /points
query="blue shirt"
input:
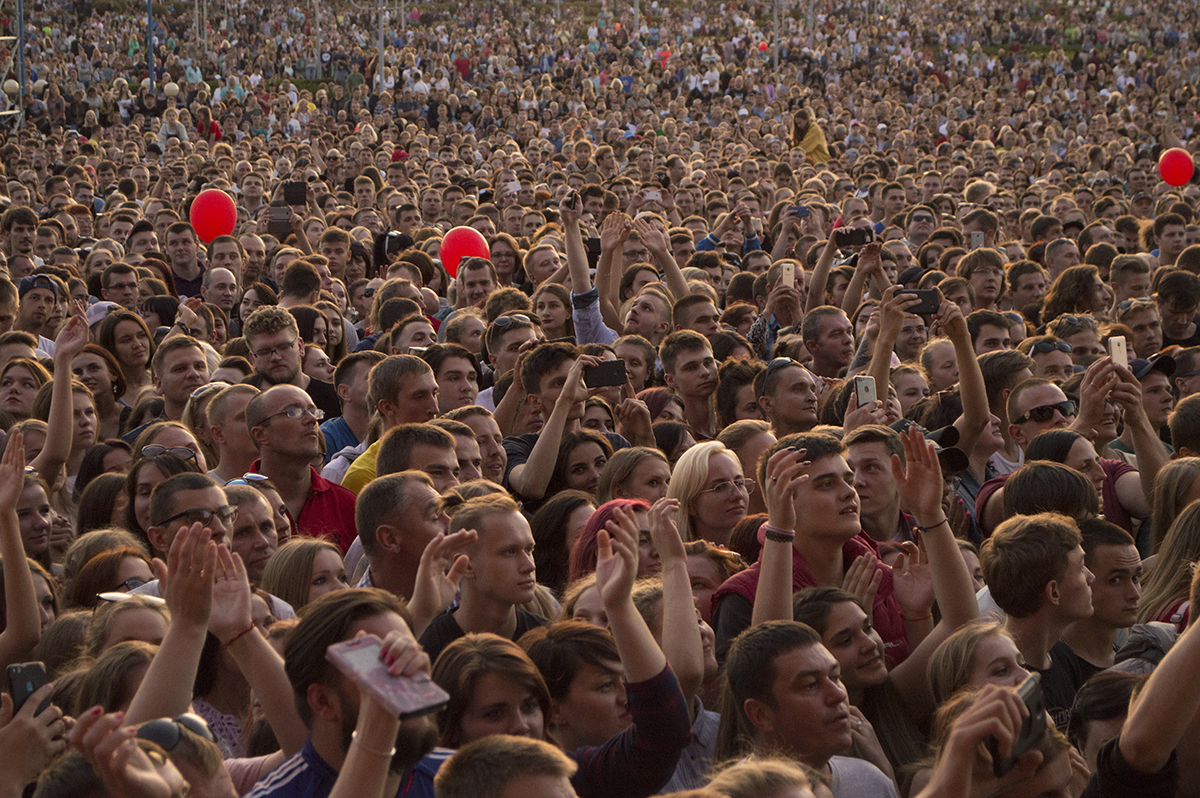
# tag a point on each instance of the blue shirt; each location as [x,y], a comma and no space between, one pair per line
[338,436]
[307,775]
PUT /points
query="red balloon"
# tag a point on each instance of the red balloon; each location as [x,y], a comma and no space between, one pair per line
[1175,166]
[762,46]
[463,242]
[213,214]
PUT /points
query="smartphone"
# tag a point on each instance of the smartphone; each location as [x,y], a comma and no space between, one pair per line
[24,680]
[653,196]
[295,192]
[1033,728]
[756,223]
[799,211]
[280,221]
[513,187]
[931,300]
[855,236]
[1119,350]
[788,275]
[404,697]
[976,239]
[864,390]
[605,375]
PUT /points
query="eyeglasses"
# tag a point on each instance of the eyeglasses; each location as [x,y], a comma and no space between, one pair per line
[226,515]
[1046,347]
[246,479]
[1044,413]
[772,367]
[722,489]
[923,217]
[132,583]
[165,732]
[280,350]
[154,450]
[636,254]
[298,412]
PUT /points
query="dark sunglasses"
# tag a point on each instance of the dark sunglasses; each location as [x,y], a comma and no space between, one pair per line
[165,732]
[1044,413]
[1046,347]
[504,322]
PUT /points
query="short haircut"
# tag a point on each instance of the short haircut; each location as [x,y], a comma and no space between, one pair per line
[876,433]
[269,319]
[471,513]
[161,500]
[383,501]
[750,673]
[810,329]
[676,344]
[543,359]
[395,448]
[560,649]
[345,367]
[388,375]
[1000,368]
[169,345]
[1184,423]
[300,279]
[815,444]
[216,407]
[1018,391]
[485,767]
[979,318]
[1043,486]
[679,312]
[1025,554]
[1178,288]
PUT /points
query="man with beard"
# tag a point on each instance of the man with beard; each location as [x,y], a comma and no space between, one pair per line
[329,701]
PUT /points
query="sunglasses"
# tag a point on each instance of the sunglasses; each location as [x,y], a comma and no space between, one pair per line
[1046,347]
[1044,413]
[246,479]
[166,732]
[772,367]
[154,450]
[504,322]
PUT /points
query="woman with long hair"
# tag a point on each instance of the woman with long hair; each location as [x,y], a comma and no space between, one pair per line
[128,339]
[96,368]
[713,493]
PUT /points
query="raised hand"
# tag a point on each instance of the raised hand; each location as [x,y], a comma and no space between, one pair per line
[230,614]
[616,564]
[113,753]
[862,579]
[12,470]
[786,471]
[664,534]
[438,575]
[29,741]
[912,582]
[71,338]
[570,208]
[919,479]
[186,579]
[633,416]
[614,232]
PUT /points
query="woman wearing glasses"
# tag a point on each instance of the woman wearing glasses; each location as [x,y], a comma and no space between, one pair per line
[713,493]
[170,437]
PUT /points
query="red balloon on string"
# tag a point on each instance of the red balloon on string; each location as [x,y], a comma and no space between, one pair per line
[1175,166]
[462,242]
[762,46]
[213,214]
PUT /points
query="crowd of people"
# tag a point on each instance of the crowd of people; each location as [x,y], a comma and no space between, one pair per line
[817,415]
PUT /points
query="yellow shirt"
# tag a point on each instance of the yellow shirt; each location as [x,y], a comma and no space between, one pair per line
[362,470]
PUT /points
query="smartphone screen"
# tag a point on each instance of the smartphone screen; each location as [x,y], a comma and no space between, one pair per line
[605,375]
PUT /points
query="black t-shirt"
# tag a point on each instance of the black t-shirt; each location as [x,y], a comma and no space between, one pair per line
[445,630]
[1061,681]
[1114,778]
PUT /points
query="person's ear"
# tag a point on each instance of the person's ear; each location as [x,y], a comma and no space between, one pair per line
[766,405]
[760,715]
[259,436]
[1052,594]
[559,719]
[217,433]
[669,380]
[159,541]
[324,703]
[343,391]
[388,538]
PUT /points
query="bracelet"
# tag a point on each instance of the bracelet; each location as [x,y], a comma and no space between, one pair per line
[945,521]
[778,535]
[370,750]
[914,620]
[241,634]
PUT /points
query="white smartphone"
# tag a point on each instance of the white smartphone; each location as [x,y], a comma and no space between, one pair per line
[1119,350]
[788,275]
[864,390]
[976,239]
[653,196]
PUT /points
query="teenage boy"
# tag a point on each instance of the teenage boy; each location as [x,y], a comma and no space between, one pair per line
[690,370]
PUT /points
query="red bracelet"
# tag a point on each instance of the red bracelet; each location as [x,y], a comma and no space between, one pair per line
[240,635]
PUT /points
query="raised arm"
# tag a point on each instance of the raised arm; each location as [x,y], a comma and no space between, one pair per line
[891,318]
[442,566]
[819,278]
[976,413]
[531,478]
[186,581]
[1134,490]
[680,631]
[919,479]
[24,627]
[656,240]
[870,266]
[256,659]
[616,569]
[613,234]
[70,341]
[577,262]
[773,599]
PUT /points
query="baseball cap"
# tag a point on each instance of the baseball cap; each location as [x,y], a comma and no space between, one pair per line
[1143,366]
[33,281]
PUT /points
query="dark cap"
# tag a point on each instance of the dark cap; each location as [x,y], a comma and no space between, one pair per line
[1141,367]
[33,281]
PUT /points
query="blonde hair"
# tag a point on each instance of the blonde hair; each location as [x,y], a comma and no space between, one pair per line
[688,478]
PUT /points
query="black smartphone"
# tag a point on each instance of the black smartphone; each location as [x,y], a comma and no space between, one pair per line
[295,192]
[568,339]
[931,300]
[855,236]
[799,211]
[1033,728]
[593,252]
[605,375]
[279,222]
[24,680]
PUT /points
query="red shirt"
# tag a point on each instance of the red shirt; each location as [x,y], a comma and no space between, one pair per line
[328,511]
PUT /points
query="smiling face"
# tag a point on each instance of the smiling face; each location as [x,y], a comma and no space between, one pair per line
[851,637]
